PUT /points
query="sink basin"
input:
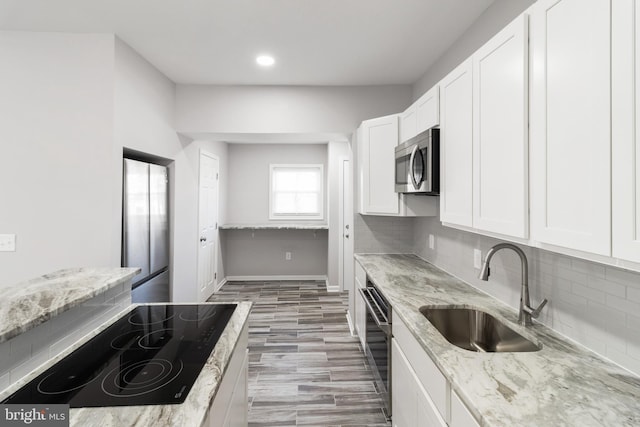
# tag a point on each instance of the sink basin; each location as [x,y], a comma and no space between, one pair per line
[475,330]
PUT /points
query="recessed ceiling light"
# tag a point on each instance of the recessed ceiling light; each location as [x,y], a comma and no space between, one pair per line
[265,60]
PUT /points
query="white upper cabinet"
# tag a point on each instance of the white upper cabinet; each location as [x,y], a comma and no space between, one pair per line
[428,110]
[421,115]
[456,146]
[570,124]
[625,115]
[377,140]
[500,133]
[408,123]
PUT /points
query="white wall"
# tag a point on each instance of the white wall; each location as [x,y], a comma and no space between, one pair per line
[58,165]
[284,109]
[492,20]
[144,121]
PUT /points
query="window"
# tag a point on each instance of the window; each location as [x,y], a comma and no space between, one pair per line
[296,192]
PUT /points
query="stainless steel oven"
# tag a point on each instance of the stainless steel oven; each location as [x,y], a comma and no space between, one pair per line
[378,340]
[418,164]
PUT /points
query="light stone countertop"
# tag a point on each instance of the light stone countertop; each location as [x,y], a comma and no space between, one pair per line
[191,413]
[274,226]
[563,384]
[26,305]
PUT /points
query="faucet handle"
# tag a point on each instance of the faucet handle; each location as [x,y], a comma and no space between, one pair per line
[535,313]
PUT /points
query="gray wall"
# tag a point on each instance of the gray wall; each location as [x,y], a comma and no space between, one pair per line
[248,177]
[262,253]
[284,109]
[56,145]
[492,20]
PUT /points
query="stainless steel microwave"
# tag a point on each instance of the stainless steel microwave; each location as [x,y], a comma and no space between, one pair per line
[418,164]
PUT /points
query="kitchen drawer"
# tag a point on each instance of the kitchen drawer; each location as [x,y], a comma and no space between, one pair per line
[430,376]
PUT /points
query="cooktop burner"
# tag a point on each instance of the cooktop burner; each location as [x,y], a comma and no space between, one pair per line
[150,356]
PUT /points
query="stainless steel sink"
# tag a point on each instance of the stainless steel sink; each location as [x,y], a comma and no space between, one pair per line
[475,330]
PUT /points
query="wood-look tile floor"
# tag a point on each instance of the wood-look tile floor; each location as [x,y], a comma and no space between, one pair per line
[305,368]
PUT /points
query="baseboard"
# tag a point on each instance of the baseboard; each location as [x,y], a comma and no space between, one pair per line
[330,288]
[220,284]
[321,278]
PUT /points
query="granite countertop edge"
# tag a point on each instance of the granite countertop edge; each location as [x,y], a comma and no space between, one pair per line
[274,226]
[562,384]
[30,303]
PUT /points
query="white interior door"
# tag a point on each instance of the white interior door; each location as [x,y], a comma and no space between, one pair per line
[208,225]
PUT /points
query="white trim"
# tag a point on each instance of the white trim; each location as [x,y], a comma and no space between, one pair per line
[317,278]
[220,284]
[332,288]
[298,217]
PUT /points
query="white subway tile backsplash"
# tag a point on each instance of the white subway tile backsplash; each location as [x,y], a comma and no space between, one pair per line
[633,294]
[598,306]
[622,304]
[588,293]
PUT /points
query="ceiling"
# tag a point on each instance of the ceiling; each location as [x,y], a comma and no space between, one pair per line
[315,42]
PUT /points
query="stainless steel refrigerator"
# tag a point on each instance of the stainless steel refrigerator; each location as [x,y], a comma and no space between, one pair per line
[145,229]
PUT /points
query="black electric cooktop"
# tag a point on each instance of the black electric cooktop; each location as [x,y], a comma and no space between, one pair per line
[150,356]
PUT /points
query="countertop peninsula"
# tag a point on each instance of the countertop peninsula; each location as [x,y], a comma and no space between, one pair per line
[28,304]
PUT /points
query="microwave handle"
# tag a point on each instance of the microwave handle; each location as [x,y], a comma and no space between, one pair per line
[411,174]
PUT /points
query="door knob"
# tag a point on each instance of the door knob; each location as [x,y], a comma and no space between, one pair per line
[346,236]
[203,239]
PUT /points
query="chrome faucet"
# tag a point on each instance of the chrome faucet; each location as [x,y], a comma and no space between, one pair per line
[526,312]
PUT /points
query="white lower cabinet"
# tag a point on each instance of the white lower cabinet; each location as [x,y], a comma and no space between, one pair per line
[230,406]
[460,415]
[411,403]
[420,393]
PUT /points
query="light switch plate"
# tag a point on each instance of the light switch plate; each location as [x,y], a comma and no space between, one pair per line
[477,258]
[432,241]
[7,242]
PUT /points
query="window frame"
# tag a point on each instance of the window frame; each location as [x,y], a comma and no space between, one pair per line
[297,217]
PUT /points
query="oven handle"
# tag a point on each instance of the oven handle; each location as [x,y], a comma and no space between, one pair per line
[382,324]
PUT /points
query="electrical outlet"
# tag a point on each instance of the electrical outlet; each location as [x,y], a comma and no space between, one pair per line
[7,242]
[287,256]
[432,241]
[477,258]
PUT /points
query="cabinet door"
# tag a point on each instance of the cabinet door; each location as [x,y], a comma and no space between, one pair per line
[570,124]
[460,415]
[411,403]
[500,133]
[379,140]
[625,131]
[456,148]
[428,110]
[408,124]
